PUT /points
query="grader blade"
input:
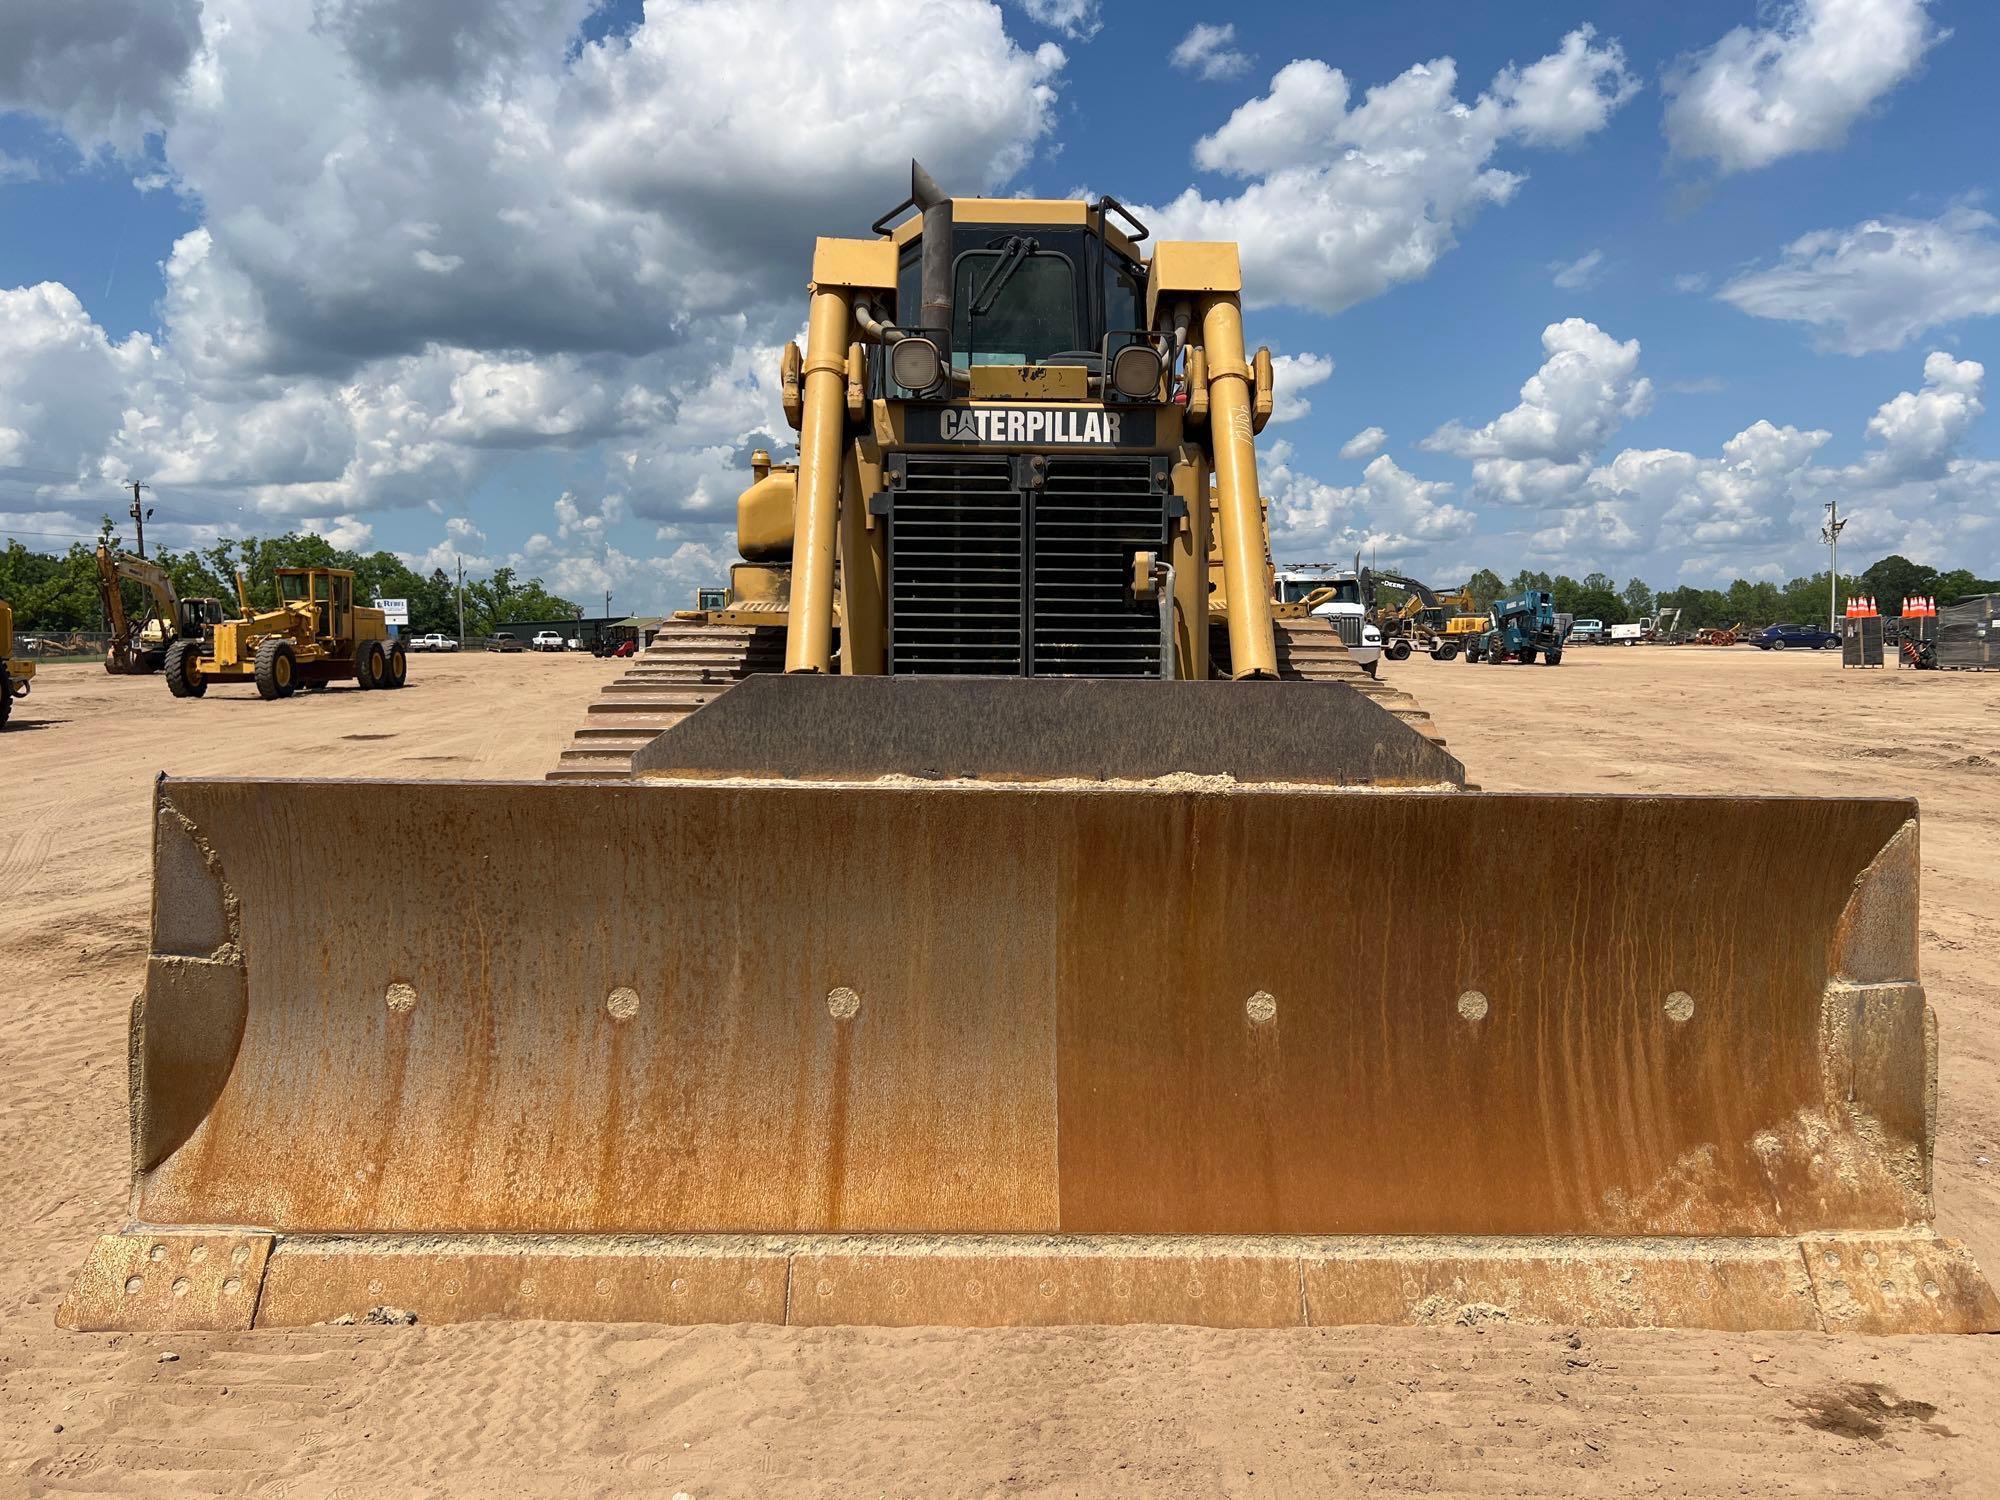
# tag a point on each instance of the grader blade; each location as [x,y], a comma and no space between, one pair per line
[972,1053]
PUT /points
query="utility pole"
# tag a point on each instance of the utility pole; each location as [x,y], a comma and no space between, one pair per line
[461,601]
[139,520]
[607,606]
[1830,534]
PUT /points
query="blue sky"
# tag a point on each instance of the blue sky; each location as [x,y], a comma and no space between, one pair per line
[500,284]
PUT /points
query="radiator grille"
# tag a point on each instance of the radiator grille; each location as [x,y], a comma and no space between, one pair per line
[958,550]
[1090,516]
[1002,566]
[1347,627]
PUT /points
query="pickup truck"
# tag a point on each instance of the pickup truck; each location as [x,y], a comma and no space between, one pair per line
[547,640]
[435,641]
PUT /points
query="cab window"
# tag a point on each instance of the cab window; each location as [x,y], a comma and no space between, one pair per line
[291,586]
[1031,314]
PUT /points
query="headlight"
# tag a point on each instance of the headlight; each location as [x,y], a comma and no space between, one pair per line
[1136,371]
[914,364]
[1371,633]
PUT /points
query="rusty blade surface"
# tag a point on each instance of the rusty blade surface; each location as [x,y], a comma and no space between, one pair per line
[954,1008]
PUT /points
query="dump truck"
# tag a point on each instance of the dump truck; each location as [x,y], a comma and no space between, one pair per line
[990,963]
[16,673]
[317,635]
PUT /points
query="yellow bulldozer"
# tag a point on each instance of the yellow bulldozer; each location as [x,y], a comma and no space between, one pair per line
[317,635]
[992,962]
[16,673]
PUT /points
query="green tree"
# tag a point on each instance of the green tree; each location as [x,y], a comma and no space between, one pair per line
[1598,604]
[1895,578]
[1525,580]
[490,603]
[1485,586]
[1961,583]
[1638,599]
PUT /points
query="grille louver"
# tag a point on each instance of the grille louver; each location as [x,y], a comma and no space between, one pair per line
[1000,565]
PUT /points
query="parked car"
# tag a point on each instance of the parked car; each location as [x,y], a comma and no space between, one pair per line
[435,641]
[1586,633]
[504,642]
[1784,637]
[547,640]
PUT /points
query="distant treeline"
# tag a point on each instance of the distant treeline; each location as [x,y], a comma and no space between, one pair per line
[1801,601]
[53,592]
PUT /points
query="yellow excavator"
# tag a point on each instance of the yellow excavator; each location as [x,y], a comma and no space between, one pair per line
[990,962]
[139,645]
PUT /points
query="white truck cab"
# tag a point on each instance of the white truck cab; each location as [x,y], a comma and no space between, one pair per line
[1344,610]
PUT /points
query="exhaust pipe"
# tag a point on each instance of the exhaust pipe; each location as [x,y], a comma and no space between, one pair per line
[935,296]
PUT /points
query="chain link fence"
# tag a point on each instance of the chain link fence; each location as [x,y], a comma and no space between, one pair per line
[60,645]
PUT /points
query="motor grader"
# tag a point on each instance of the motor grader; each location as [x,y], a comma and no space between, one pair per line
[317,635]
[997,960]
[16,673]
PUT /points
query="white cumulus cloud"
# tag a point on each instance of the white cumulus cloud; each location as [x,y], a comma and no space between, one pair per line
[1762,93]
[1574,275]
[1209,52]
[1539,450]
[1081,19]
[1343,200]
[1881,283]
[1364,444]
[1292,374]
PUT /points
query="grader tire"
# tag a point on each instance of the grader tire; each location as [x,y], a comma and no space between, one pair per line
[371,668]
[276,669]
[396,670]
[6,697]
[183,670]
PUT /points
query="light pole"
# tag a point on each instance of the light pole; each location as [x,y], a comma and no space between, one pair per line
[1830,534]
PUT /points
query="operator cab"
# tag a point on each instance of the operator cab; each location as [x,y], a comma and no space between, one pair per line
[330,591]
[1034,286]
[1341,588]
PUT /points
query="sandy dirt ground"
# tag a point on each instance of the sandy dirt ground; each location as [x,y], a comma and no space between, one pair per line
[573,1410]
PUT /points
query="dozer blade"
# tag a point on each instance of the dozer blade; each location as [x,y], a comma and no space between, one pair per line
[972,1053]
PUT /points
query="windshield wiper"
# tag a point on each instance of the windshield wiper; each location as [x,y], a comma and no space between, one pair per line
[1017,250]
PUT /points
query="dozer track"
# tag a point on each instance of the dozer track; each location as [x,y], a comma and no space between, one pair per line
[687,664]
[1310,650]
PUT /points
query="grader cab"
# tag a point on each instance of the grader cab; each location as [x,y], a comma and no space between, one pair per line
[317,635]
[995,962]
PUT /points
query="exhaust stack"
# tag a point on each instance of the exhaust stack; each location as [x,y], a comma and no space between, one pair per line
[935,309]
